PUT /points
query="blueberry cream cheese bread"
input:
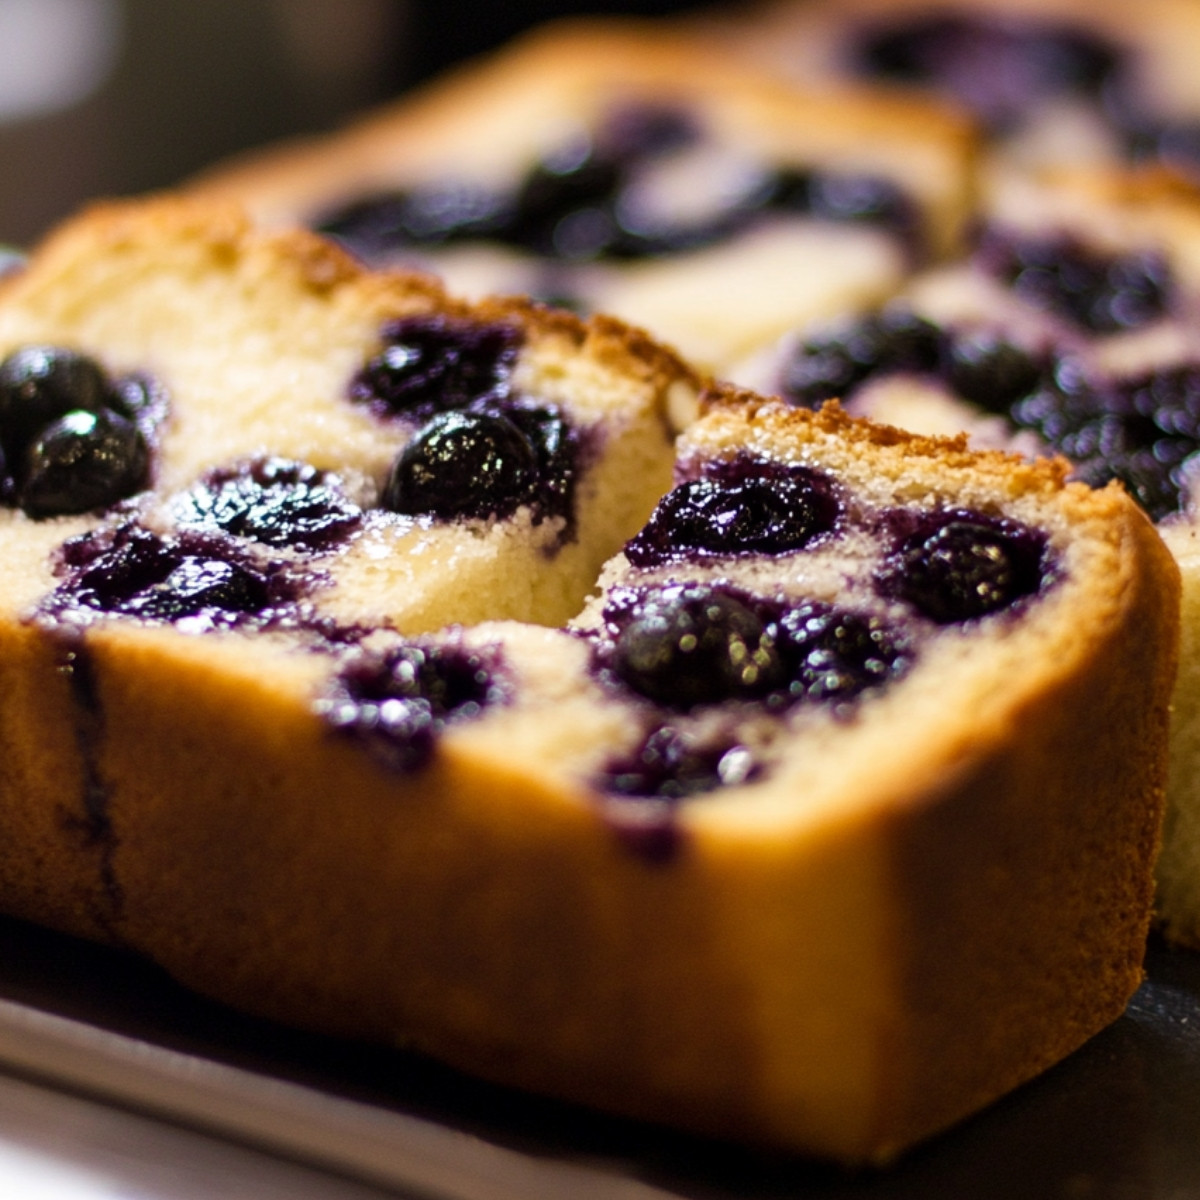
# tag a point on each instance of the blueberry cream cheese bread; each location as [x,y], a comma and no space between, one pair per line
[614,166]
[1069,328]
[828,819]
[1050,82]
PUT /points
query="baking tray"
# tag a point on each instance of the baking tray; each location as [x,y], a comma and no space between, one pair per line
[1120,1118]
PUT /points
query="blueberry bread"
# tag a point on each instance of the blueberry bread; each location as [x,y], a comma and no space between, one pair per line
[828,820]
[615,167]
[1050,82]
[1068,329]
[205,426]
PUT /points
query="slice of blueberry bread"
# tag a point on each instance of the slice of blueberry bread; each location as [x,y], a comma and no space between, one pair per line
[613,166]
[210,426]
[1050,82]
[828,821]
[1070,328]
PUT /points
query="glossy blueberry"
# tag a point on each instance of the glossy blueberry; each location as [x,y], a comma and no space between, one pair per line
[696,645]
[436,364]
[463,464]
[832,365]
[135,572]
[771,511]
[833,655]
[961,566]
[398,702]
[40,384]
[989,371]
[82,461]
[273,501]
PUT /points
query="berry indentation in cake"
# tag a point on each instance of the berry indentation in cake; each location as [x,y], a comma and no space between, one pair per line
[584,201]
[742,506]
[433,364]
[1000,69]
[1099,292]
[272,501]
[131,571]
[397,702]
[73,439]
[958,566]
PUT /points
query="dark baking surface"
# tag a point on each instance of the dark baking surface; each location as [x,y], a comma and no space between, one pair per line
[1120,1118]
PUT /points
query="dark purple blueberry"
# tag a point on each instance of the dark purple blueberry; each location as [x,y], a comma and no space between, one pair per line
[40,384]
[671,764]
[272,501]
[1141,430]
[134,572]
[563,208]
[463,464]
[961,566]
[557,449]
[833,365]
[832,655]
[84,460]
[1099,292]
[775,512]
[989,371]
[999,69]
[696,645]
[434,364]
[398,702]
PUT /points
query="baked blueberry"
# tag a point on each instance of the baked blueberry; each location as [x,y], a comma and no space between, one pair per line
[745,510]
[397,702]
[272,501]
[463,464]
[671,764]
[436,364]
[40,384]
[832,655]
[82,461]
[999,69]
[832,365]
[960,566]
[1099,292]
[134,572]
[693,645]
[989,371]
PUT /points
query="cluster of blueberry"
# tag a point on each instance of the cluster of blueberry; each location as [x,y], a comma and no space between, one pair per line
[72,439]
[482,450]
[1141,429]
[579,204]
[685,646]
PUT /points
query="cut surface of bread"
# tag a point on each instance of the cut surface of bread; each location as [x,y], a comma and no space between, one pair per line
[618,167]
[828,821]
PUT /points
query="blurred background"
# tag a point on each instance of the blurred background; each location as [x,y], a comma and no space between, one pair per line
[114,97]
